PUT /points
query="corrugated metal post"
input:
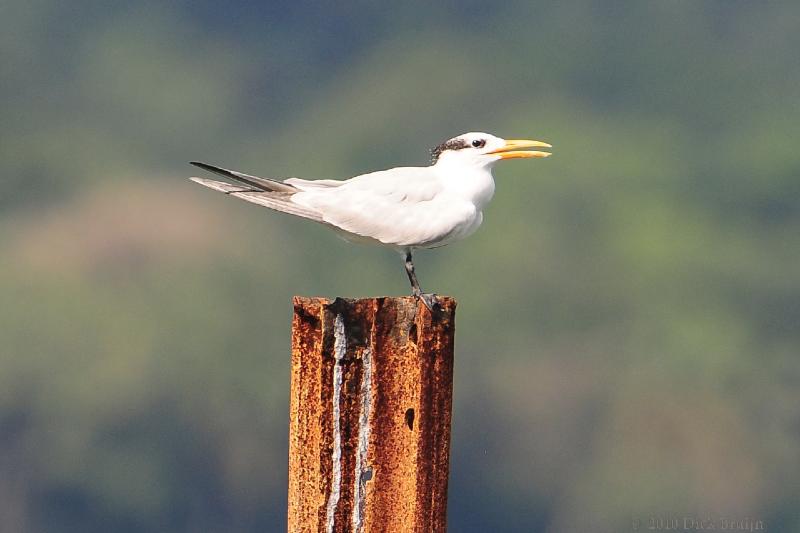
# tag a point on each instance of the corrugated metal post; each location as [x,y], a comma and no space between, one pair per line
[371,399]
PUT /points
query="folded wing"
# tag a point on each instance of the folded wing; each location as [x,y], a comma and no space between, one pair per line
[401,206]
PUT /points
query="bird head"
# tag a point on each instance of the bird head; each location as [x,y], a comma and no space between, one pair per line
[482,149]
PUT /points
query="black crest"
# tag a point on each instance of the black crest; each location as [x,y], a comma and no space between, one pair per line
[452,144]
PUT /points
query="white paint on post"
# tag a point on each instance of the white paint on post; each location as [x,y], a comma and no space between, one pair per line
[363,471]
[339,350]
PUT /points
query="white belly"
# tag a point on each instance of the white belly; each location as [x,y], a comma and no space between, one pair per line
[418,228]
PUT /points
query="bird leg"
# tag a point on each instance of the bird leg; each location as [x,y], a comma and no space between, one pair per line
[429,299]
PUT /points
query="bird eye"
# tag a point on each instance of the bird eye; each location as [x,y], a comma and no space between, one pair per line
[478,143]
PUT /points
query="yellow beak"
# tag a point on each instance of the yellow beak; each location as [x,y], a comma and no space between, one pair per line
[509,151]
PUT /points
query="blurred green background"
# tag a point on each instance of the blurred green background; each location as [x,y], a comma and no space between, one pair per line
[628,339]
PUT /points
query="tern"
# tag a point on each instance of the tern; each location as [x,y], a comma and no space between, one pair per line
[403,208]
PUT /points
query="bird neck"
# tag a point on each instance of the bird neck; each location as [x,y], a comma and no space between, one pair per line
[473,183]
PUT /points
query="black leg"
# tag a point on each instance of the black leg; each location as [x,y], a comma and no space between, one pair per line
[429,299]
[412,276]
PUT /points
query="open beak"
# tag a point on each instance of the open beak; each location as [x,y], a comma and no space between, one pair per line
[510,150]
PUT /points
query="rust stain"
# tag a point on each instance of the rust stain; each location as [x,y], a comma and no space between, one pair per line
[399,482]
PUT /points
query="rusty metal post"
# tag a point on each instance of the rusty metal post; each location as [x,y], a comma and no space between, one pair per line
[371,398]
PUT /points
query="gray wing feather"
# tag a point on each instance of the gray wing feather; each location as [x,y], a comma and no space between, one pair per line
[279,201]
[220,186]
[265,184]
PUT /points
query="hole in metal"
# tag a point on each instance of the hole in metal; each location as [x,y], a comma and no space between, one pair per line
[410,419]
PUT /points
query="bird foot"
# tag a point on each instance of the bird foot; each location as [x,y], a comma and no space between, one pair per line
[429,299]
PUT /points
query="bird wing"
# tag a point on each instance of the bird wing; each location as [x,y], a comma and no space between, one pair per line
[400,206]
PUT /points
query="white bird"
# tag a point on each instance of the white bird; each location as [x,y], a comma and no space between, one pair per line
[403,208]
